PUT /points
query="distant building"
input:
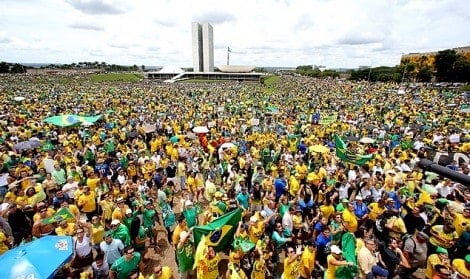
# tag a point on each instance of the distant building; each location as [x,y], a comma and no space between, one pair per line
[203,47]
[427,59]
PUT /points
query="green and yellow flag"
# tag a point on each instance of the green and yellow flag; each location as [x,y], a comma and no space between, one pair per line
[346,155]
[219,233]
[61,214]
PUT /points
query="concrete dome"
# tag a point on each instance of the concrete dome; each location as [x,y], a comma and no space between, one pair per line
[235,68]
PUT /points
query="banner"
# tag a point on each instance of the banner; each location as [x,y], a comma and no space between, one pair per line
[244,244]
[62,213]
[328,118]
[348,156]
[219,233]
[446,158]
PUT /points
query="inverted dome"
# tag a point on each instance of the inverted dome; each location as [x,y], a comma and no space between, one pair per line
[235,68]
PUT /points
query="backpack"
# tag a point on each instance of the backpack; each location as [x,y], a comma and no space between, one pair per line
[407,236]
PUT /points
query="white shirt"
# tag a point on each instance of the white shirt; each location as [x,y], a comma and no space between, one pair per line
[112,250]
[69,189]
[82,248]
[287,221]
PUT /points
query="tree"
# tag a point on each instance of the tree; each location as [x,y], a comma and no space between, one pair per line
[424,74]
[461,69]
[445,63]
[4,67]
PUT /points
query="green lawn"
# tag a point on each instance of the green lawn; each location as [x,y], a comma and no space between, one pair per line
[128,77]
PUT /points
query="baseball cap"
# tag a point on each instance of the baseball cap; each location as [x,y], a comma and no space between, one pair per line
[335,250]
[115,222]
[359,198]
[441,250]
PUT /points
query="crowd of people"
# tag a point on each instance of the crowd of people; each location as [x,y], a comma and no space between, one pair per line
[165,158]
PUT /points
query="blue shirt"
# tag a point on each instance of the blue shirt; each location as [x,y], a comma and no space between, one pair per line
[322,241]
[243,199]
[280,185]
[360,209]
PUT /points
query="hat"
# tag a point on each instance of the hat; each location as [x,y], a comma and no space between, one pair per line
[253,219]
[441,250]
[188,203]
[128,211]
[467,258]
[107,233]
[335,250]
[359,198]
[390,199]
[263,214]
[115,222]
[147,202]
[183,234]
[344,200]
[406,168]
[120,199]
[379,271]
[423,235]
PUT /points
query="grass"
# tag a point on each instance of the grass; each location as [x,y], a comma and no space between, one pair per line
[107,77]
[270,83]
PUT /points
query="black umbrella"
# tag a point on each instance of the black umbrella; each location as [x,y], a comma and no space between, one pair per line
[28,144]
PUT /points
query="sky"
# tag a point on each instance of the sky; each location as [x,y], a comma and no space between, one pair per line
[261,33]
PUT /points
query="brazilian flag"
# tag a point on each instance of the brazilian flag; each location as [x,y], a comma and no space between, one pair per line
[61,214]
[346,155]
[219,233]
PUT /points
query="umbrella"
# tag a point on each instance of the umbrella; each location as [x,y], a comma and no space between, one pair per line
[367,140]
[27,144]
[319,148]
[19,98]
[200,130]
[40,258]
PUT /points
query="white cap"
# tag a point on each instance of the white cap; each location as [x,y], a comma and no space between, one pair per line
[335,249]
[128,211]
[188,203]
[263,214]
[183,234]
[253,219]
[115,222]
[359,198]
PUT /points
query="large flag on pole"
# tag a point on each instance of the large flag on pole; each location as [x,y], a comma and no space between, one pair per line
[219,233]
[346,155]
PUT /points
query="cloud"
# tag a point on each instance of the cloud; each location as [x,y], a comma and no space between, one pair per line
[5,40]
[96,7]
[86,26]
[215,17]
[359,39]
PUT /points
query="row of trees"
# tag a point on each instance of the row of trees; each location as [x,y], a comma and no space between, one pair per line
[314,71]
[10,68]
[94,65]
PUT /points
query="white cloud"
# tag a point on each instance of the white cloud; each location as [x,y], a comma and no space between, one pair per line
[334,33]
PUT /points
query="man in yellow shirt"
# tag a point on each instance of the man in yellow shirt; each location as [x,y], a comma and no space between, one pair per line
[462,267]
[162,272]
[208,266]
[291,263]
[87,202]
[441,257]
[307,259]
[461,220]
[349,218]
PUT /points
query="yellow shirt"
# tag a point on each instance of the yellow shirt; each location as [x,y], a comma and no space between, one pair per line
[3,246]
[331,269]
[307,262]
[327,210]
[258,270]
[294,186]
[255,232]
[208,268]
[297,221]
[166,273]
[97,233]
[350,219]
[68,230]
[431,263]
[440,238]
[291,270]
[87,202]
[459,266]
[107,208]
[375,210]
[92,183]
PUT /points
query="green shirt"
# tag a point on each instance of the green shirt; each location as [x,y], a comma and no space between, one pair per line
[122,233]
[185,257]
[149,217]
[123,268]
